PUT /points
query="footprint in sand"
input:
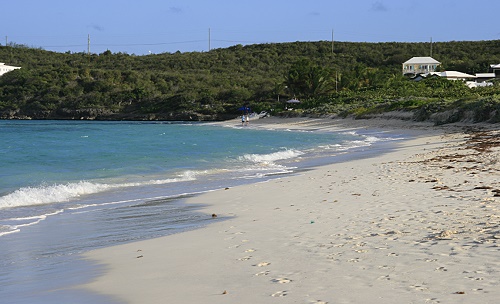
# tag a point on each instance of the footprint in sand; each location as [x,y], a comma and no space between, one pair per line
[245,258]
[281,280]
[262,273]
[386,277]
[418,287]
[279,293]
[262,264]
[361,251]
[474,278]
[250,250]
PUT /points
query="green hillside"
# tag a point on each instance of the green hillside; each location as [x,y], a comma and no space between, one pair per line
[359,79]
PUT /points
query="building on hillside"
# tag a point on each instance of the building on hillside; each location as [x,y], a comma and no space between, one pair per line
[482,80]
[416,67]
[495,69]
[454,75]
[475,84]
[420,65]
[6,68]
[482,77]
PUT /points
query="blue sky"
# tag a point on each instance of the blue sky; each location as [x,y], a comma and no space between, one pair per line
[157,26]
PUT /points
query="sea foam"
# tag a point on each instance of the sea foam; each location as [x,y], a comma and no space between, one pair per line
[58,193]
[46,194]
[272,157]
[13,225]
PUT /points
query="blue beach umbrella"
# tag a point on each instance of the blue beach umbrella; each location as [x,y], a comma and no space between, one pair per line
[245,109]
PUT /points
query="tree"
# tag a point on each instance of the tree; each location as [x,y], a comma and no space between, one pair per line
[305,79]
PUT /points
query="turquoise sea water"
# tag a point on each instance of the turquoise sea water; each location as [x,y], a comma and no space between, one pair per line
[67,187]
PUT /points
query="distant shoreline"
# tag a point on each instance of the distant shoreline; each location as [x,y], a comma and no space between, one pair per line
[403,119]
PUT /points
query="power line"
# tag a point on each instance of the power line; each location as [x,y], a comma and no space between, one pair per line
[122,44]
[150,44]
[237,41]
[323,36]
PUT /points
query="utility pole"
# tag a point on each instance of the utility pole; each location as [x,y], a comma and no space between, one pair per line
[332,41]
[336,81]
[431,46]
[10,50]
[88,44]
[209,48]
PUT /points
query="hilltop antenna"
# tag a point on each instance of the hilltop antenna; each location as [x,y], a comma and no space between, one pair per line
[88,44]
[6,40]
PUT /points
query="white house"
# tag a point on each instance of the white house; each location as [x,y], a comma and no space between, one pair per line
[6,68]
[420,65]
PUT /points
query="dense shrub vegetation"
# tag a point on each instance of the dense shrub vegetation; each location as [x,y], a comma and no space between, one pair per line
[360,79]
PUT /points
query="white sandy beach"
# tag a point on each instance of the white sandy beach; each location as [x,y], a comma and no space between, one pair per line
[420,224]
